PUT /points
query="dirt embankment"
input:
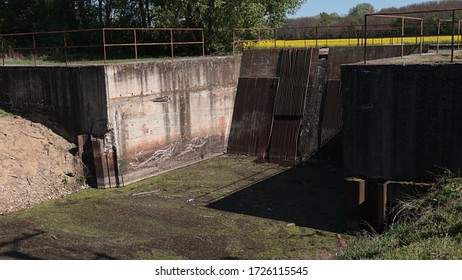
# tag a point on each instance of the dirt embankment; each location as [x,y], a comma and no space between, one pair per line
[35,164]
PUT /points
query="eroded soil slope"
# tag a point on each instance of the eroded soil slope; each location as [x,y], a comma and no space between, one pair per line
[35,164]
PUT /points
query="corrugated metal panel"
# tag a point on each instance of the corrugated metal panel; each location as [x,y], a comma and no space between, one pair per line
[332,117]
[284,138]
[252,116]
[294,74]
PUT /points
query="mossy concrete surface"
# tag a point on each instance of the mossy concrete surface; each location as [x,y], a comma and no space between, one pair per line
[228,207]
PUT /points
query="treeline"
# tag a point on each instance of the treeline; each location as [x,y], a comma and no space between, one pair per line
[217,17]
[350,25]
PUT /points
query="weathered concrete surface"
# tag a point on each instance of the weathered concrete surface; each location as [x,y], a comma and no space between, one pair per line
[166,114]
[401,122]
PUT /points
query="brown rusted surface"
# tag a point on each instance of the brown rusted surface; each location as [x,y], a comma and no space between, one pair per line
[355,192]
[332,115]
[252,116]
[294,74]
[284,138]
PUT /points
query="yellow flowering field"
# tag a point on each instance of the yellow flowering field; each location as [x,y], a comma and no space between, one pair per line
[345,42]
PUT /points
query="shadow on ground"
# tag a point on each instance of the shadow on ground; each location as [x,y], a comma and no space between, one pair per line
[309,196]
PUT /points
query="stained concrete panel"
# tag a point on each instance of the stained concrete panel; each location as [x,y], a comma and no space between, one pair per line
[166,114]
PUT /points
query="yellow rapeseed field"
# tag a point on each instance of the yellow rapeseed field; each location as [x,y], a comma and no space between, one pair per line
[346,42]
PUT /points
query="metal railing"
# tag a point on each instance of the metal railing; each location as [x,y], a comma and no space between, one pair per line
[102,39]
[403,16]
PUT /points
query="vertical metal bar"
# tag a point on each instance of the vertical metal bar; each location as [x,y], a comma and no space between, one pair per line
[3,50]
[365,38]
[316,36]
[135,44]
[259,38]
[65,47]
[171,43]
[453,31]
[234,41]
[458,36]
[104,45]
[275,38]
[402,38]
[438,37]
[35,55]
[203,43]
[421,36]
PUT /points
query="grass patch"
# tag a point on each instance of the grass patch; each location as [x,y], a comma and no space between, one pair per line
[165,217]
[4,113]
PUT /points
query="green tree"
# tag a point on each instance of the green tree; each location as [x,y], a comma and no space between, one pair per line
[217,17]
[360,10]
[220,17]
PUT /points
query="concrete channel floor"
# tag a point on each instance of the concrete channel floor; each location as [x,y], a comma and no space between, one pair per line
[227,207]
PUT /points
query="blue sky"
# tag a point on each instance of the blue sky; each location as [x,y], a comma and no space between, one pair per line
[315,7]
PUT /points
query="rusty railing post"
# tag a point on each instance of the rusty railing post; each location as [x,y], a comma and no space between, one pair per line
[3,50]
[65,48]
[402,37]
[203,43]
[135,44]
[34,51]
[438,37]
[453,31]
[171,43]
[458,36]
[234,40]
[104,45]
[421,36]
[316,35]
[365,38]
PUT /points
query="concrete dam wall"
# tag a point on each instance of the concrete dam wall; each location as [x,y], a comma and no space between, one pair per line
[135,120]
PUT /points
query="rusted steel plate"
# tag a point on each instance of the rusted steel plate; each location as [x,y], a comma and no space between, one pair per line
[284,138]
[252,116]
[332,116]
[294,74]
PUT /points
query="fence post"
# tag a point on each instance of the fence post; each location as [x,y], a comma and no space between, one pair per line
[104,44]
[203,43]
[34,52]
[421,36]
[453,31]
[171,42]
[3,50]
[365,38]
[438,37]
[65,47]
[458,36]
[135,44]
[316,36]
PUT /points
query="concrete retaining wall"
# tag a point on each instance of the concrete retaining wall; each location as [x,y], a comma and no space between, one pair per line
[166,114]
[402,122]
